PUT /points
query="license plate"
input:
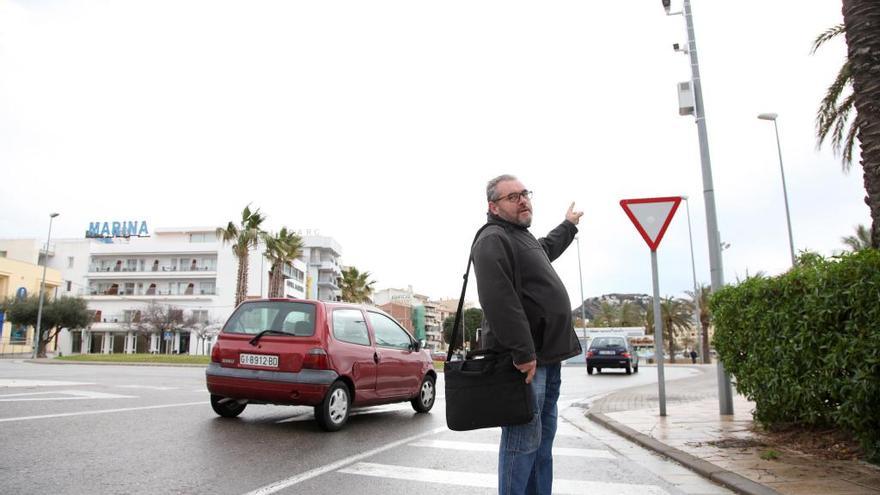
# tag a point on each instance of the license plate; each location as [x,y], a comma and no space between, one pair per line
[607,353]
[263,360]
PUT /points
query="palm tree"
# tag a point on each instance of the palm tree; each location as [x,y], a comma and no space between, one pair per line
[243,237]
[860,21]
[355,287]
[862,239]
[676,317]
[630,314]
[702,301]
[281,249]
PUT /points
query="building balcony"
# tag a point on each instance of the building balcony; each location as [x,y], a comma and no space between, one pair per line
[124,274]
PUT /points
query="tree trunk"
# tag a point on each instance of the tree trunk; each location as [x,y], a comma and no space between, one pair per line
[241,285]
[707,357]
[862,21]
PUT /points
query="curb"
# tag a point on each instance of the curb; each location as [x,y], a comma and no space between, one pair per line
[728,479]
[109,363]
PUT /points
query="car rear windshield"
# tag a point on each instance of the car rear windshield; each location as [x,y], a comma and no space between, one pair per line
[297,319]
[608,342]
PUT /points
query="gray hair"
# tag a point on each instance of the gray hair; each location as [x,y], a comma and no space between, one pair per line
[492,184]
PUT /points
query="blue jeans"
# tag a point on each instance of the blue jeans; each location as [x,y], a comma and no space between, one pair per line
[525,459]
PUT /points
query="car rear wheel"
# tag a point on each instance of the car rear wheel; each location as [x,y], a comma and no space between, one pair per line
[629,370]
[332,412]
[226,407]
[636,368]
[598,370]
[589,370]
[423,402]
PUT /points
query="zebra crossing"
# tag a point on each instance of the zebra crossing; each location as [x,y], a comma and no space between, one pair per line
[439,460]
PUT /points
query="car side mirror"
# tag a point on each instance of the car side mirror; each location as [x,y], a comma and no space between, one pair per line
[416,346]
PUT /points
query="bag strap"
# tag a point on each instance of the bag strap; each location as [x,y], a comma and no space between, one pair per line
[456,326]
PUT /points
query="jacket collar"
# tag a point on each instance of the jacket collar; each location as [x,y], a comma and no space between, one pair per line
[495,219]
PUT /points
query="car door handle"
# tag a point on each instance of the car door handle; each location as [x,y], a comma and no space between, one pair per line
[376,357]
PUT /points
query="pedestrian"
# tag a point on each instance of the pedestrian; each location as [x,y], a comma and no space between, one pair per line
[693,356]
[526,311]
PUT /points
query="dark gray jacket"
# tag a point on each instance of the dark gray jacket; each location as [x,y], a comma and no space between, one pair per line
[537,323]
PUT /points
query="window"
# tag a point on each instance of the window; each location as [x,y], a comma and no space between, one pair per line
[207,288]
[389,333]
[203,237]
[69,263]
[289,317]
[2,254]
[69,284]
[349,326]
[200,315]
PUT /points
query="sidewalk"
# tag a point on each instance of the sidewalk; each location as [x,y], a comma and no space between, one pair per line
[725,449]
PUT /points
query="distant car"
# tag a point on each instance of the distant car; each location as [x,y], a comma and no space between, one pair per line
[438,356]
[331,356]
[611,352]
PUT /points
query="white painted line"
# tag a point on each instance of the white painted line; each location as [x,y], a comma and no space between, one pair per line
[306,416]
[103,411]
[485,480]
[148,387]
[293,480]
[77,395]
[493,447]
[17,382]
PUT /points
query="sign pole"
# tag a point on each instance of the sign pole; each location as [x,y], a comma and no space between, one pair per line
[658,335]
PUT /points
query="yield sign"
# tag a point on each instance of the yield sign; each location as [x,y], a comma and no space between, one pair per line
[651,216]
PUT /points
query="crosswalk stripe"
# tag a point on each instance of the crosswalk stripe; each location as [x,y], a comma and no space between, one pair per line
[490,447]
[71,395]
[484,480]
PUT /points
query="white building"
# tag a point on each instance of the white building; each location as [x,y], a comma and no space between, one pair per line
[184,275]
[321,255]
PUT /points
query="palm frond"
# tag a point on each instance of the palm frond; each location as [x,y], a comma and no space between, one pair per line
[827,35]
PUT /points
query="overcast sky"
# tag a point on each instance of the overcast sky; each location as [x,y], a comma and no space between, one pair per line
[379,123]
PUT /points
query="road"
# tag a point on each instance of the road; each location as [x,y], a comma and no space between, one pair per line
[85,429]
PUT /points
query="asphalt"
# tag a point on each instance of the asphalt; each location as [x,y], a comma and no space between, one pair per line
[727,449]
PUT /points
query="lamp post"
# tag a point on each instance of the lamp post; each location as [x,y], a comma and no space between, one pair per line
[37,333]
[696,290]
[581,280]
[773,116]
[716,268]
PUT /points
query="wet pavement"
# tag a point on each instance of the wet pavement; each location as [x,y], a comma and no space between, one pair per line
[725,449]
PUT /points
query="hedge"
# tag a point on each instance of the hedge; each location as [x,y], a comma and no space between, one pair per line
[805,345]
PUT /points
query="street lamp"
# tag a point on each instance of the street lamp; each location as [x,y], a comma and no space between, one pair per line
[696,290]
[37,333]
[773,116]
[725,389]
[581,280]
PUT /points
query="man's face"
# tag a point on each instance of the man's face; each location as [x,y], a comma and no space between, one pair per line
[518,210]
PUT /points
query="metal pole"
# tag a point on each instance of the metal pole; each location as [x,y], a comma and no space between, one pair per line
[583,301]
[725,394]
[37,333]
[658,335]
[785,195]
[696,291]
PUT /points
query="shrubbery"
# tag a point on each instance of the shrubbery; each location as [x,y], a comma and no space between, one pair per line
[805,346]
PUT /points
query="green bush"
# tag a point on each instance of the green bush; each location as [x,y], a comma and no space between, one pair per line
[805,346]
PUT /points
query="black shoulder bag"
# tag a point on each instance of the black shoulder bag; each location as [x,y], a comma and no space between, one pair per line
[484,390]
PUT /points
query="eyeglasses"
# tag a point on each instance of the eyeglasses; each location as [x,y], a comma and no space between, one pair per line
[514,197]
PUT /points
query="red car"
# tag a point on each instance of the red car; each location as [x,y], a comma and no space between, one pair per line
[332,356]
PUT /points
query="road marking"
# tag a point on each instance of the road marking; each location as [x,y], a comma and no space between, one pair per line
[493,447]
[293,480]
[17,382]
[148,387]
[103,411]
[77,395]
[305,416]
[485,480]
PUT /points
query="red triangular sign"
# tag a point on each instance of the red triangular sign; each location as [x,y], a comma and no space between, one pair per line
[651,216]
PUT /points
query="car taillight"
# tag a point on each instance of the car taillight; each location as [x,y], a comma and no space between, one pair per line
[589,353]
[215,354]
[624,354]
[316,359]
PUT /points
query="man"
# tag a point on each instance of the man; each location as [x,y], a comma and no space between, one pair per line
[527,312]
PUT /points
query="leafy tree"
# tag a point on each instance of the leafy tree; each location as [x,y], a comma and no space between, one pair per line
[862,239]
[630,315]
[356,286]
[473,319]
[243,237]
[627,314]
[676,316]
[701,300]
[281,249]
[860,71]
[64,312]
